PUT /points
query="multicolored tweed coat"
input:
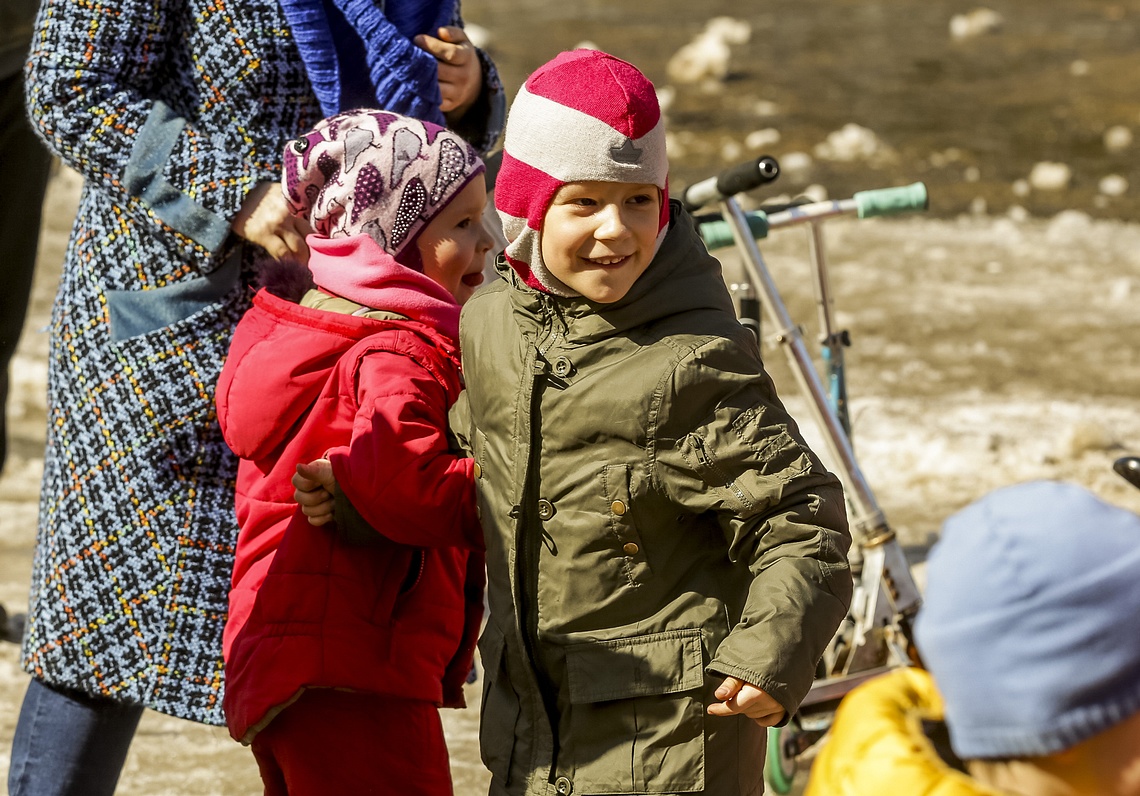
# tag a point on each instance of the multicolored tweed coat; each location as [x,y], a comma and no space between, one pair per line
[171,110]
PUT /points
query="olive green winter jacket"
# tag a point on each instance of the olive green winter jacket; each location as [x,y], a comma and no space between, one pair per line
[654,522]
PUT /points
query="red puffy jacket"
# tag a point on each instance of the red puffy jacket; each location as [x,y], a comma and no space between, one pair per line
[397,615]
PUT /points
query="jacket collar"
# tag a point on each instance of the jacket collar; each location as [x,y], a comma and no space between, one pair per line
[356,268]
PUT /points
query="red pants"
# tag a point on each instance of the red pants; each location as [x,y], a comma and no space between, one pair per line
[342,743]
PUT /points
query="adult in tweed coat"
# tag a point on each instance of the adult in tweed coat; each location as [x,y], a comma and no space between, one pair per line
[175,112]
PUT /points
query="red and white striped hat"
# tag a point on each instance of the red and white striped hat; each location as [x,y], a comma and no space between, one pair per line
[585,115]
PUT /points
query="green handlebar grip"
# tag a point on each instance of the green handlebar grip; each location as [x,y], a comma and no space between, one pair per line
[891,201]
[718,234]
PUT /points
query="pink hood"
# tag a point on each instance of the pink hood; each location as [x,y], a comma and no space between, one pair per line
[282,353]
[356,268]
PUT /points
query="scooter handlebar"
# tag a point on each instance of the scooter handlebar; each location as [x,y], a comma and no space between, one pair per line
[736,179]
[891,201]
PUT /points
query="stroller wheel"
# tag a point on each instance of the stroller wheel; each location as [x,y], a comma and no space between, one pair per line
[779,764]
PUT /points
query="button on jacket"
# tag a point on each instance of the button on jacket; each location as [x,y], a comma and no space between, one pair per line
[654,522]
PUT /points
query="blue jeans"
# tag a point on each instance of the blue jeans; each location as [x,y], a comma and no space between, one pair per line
[69,744]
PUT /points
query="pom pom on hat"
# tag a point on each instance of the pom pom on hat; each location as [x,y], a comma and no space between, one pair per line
[1031,620]
[376,173]
[585,115]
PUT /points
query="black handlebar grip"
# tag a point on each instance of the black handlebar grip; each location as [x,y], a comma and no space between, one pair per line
[747,176]
[737,179]
[1128,468]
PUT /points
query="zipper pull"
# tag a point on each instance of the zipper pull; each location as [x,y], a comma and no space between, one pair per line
[541,366]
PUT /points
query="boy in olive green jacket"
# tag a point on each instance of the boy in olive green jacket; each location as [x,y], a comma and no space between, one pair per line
[666,558]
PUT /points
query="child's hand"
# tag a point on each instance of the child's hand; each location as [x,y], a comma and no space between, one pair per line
[460,72]
[264,219]
[738,696]
[313,484]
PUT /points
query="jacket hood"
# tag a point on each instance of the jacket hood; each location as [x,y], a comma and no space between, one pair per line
[281,357]
[682,277]
[358,269]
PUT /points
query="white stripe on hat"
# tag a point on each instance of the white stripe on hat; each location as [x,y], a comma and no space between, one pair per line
[565,143]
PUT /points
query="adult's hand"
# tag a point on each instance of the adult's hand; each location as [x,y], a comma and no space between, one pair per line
[264,219]
[460,71]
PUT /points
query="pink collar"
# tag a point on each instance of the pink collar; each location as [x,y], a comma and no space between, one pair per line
[356,268]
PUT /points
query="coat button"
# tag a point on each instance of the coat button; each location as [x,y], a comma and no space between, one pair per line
[630,548]
[617,507]
[478,470]
[545,509]
[563,786]
[562,367]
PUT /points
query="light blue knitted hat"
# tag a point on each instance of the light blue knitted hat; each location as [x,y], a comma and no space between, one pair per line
[1031,620]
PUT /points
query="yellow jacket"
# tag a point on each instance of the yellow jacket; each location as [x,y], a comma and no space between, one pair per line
[877,746]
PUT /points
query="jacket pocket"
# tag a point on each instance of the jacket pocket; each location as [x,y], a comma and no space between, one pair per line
[619,509]
[636,722]
[393,565]
[499,710]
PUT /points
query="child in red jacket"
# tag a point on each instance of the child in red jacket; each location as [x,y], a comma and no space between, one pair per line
[341,645]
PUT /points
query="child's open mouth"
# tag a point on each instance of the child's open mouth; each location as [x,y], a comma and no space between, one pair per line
[473,280]
[607,262]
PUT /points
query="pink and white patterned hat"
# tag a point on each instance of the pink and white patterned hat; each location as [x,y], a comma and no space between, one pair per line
[376,173]
[585,115]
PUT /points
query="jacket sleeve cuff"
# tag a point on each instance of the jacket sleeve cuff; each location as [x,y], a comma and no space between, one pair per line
[778,691]
[143,178]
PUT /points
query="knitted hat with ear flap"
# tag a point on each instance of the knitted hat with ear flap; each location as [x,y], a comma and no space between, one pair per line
[378,174]
[585,115]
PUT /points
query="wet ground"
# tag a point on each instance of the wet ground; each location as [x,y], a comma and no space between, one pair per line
[988,348]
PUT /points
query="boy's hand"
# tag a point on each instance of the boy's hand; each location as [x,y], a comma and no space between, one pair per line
[460,72]
[313,484]
[264,219]
[738,697]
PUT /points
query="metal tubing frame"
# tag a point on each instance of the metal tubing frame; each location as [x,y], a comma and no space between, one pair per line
[884,588]
[831,342]
[869,521]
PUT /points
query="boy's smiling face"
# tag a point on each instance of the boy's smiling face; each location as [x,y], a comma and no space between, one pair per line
[599,237]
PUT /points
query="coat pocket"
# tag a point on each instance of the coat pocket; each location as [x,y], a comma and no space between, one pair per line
[636,718]
[395,568]
[134,313]
[619,510]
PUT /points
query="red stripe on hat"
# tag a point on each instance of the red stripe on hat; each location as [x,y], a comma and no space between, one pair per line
[523,191]
[619,94]
[527,276]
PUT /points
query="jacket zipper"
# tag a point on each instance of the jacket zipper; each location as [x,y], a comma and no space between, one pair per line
[527,540]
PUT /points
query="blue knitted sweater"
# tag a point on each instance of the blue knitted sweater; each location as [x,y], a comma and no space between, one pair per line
[335,35]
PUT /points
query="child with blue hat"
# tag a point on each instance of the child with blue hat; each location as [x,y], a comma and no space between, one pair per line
[1030,632]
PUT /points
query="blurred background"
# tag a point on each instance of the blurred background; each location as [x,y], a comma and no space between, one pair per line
[970,98]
